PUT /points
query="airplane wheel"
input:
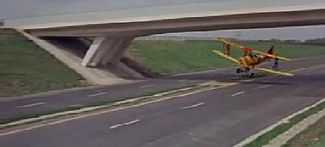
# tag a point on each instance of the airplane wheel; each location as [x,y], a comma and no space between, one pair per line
[251,75]
[238,70]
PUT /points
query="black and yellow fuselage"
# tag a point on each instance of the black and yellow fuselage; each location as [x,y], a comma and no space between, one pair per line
[250,61]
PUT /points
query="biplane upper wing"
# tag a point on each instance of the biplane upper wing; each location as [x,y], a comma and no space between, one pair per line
[275,72]
[271,56]
[255,51]
[226,56]
[231,43]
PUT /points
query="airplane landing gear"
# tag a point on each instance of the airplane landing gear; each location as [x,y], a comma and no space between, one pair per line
[251,75]
[238,70]
[275,64]
[246,72]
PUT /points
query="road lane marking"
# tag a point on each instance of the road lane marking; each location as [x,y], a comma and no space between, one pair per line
[125,124]
[238,93]
[147,86]
[132,122]
[31,105]
[168,92]
[97,94]
[76,105]
[193,106]
[116,126]
[249,80]
[264,86]
[299,69]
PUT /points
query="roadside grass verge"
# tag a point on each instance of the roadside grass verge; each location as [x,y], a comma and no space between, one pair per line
[267,137]
[27,69]
[171,57]
[314,136]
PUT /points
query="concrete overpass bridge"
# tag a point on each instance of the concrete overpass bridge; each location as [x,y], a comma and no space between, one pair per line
[111,37]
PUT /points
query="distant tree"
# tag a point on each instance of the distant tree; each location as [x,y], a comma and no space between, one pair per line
[275,40]
[2,21]
[318,41]
[292,41]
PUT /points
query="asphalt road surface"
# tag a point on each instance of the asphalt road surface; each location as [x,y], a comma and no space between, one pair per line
[221,117]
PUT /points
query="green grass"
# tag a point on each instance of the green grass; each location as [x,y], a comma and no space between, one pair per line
[185,56]
[314,136]
[289,49]
[320,143]
[25,68]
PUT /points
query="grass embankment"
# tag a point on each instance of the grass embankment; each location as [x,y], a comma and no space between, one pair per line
[25,68]
[186,56]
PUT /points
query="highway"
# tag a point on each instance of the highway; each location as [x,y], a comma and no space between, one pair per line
[220,117]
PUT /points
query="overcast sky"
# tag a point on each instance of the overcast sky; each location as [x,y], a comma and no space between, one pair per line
[33,8]
[289,33]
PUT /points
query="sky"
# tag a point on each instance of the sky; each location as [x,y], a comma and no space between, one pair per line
[17,9]
[288,33]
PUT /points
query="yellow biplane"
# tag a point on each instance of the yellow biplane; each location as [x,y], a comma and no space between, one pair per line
[251,58]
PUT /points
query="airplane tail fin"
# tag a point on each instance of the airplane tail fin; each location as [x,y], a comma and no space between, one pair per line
[276,60]
[271,50]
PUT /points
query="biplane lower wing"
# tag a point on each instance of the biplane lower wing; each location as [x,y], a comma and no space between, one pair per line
[275,72]
[226,56]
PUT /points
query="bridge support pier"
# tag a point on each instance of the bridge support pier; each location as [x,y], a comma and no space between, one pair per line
[106,50]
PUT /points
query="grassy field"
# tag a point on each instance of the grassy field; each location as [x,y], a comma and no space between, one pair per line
[26,69]
[186,56]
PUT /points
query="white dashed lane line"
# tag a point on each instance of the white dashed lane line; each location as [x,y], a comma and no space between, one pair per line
[116,126]
[147,86]
[238,93]
[76,105]
[31,105]
[97,94]
[264,86]
[125,124]
[193,106]
[132,122]
[249,80]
